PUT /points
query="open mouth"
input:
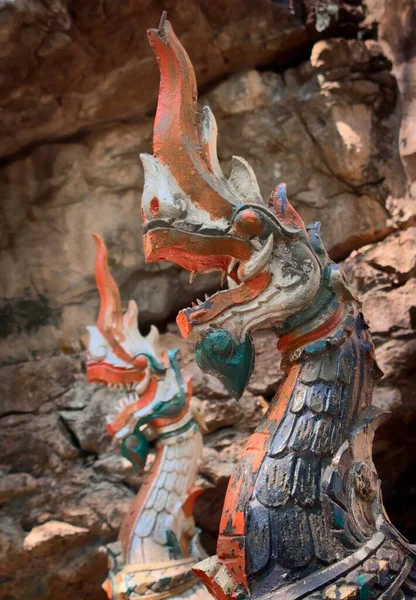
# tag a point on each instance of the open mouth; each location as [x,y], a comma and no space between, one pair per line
[202,250]
[135,386]
[205,312]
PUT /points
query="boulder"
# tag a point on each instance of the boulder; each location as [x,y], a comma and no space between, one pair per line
[66,68]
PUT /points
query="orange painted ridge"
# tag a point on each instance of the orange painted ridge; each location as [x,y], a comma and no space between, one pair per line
[102,372]
[175,138]
[290,342]
[110,316]
[249,290]
[283,395]
[233,557]
[231,547]
[239,493]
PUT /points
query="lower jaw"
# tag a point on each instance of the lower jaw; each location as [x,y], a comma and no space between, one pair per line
[199,318]
[212,252]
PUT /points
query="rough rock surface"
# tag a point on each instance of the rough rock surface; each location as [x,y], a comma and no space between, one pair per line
[70,66]
[384,275]
[328,127]
[397,26]
[78,91]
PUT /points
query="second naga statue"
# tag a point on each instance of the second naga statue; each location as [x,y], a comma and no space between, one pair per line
[303,515]
[159,542]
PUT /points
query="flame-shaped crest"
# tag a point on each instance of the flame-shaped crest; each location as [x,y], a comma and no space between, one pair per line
[120,331]
[110,316]
[185,144]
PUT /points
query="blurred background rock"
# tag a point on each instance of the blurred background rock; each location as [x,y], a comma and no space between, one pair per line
[318,94]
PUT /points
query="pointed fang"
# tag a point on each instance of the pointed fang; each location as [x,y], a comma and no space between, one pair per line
[223,278]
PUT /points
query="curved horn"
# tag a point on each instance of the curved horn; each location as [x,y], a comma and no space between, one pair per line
[176,110]
[110,316]
[176,140]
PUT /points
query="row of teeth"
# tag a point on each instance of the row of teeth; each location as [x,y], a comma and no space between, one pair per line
[122,386]
[224,276]
[122,403]
[199,302]
[126,401]
[255,265]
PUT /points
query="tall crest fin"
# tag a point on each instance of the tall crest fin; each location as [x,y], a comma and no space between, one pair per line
[110,316]
[181,143]
[131,316]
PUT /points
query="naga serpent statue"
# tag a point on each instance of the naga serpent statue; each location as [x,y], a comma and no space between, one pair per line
[303,514]
[159,542]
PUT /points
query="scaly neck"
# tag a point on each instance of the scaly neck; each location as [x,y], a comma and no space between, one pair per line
[275,503]
[329,383]
[157,522]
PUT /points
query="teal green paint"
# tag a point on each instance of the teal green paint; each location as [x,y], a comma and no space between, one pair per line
[155,365]
[313,230]
[339,518]
[232,362]
[324,302]
[135,448]
[173,545]
[168,408]
[315,347]
[365,589]
[241,595]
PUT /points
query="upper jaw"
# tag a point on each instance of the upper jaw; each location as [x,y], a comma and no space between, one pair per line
[201,251]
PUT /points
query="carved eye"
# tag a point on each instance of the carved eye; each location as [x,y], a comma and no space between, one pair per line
[140,362]
[248,223]
[154,207]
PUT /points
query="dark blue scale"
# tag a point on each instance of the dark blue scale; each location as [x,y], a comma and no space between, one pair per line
[286,500]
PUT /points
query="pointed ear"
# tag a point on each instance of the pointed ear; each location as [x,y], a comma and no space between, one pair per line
[284,211]
[131,316]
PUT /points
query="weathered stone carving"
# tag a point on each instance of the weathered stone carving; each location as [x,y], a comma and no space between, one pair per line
[303,515]
[158,540]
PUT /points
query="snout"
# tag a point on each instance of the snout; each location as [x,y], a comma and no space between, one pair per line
[194,251]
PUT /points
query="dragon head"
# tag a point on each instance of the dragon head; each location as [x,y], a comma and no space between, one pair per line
[154,394]
[198,218]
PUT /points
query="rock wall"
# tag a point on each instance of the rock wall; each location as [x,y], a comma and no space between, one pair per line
[326,112]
